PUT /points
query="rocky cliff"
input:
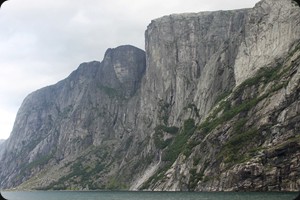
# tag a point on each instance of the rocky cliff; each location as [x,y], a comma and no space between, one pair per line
[88,117]
[213,104]
[248,142]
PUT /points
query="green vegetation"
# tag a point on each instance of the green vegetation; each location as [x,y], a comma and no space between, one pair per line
[241,145]
[159,133]
[239,125]
[147,160]
[173,149]
[164,111]
[234,151]
[188,126]
[194,109]
[162,128]
[223,96]
[189,147]
[180,141]
[264,75]
[38,162]
[196,161]
[100,152]
[194,179]
[160,142]
[159,175]
[115,184]
[296,47]
[81,174]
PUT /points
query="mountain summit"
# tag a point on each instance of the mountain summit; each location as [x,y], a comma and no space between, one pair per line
[212,104]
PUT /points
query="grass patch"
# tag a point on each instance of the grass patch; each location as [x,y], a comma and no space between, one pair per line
[81,175]
[234,150]
[163,128]
[172,151]
[180,141]
[159,134]
[223,96]
[239,125]
[164,111]
[194,179]
[115,184]
[43,160]
[159,175]
[264,75]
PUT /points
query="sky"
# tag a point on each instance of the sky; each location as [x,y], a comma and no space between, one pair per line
[43,41]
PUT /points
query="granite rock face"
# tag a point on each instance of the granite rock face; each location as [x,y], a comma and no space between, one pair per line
[87,111]
[249,142]
[212,105]
[190,60]
[270,30]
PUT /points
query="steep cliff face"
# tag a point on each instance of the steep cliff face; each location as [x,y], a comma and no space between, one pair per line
[185,115]
[249,142]
[190,59]
[270,30]
[88,111]
[206,64]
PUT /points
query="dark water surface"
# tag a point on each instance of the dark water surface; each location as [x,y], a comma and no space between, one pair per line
[62,195]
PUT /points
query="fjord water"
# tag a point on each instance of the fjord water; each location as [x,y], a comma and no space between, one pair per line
[67,195]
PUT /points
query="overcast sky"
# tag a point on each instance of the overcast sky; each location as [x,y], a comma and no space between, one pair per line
[43,41]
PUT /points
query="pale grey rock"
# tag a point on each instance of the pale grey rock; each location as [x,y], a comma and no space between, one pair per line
[96,129]
[89,108]
[274,161]
[190,59]
[271,28]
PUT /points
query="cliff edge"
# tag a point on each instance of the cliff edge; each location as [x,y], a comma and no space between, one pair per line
[211,105]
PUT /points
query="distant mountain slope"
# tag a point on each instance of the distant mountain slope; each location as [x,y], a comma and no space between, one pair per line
[211,105]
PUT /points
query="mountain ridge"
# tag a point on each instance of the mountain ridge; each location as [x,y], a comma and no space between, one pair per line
[171,117]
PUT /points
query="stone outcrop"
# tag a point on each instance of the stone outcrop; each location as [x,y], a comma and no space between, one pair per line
[190,60]
[212,105]
[250,142]
[270,30]
[57,124]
